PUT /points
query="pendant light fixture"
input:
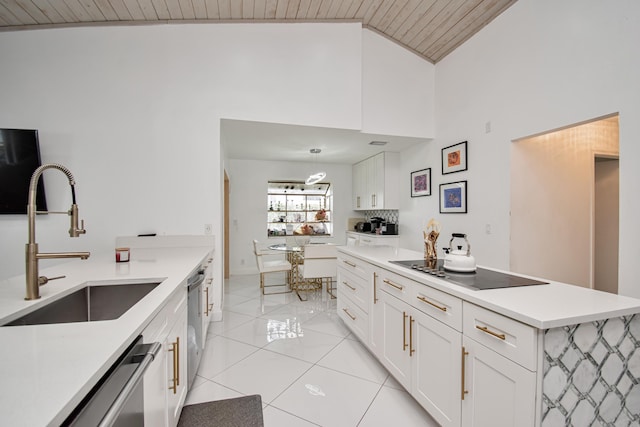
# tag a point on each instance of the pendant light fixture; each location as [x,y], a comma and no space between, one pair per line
[318,176]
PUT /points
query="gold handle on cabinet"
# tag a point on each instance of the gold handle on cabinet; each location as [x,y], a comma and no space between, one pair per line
[490,332]
[350,264]
[358,201]
[375,286]
[177,366]
[404,331]
[206,304]
[463,391]
[209,280]
[411,349]
[349,314]
[175,349]
[210,260]
[348,285]
[373,200]
[390,283]
[439,307]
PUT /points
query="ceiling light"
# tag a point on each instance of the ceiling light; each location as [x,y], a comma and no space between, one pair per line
[378,143]
[318,176]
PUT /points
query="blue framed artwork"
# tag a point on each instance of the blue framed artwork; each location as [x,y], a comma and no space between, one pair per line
[453,197]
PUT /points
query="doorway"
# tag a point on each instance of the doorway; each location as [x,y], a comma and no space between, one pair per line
[226,225]
[606,223]
[554,204]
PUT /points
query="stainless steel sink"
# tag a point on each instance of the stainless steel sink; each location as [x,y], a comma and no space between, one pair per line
[89,304]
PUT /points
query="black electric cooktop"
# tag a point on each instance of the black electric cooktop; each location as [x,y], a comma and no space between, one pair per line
[479,280]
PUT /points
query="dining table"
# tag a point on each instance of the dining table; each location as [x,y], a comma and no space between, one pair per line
[295,256]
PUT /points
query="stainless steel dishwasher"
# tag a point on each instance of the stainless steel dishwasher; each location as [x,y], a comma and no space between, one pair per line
[194,324]
[117,399]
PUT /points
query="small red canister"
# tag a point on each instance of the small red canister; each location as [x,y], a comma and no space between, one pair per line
[122,254]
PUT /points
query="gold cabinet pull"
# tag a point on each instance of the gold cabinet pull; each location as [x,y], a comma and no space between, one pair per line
[348,285]
[404,331]
[209,280]
[411,349]
[349,314]
[375,286]
[175,349]
[439,307]
[349,263]
[210,260]
[178,360]
[358,201]
[490,332]
[390,283]
[206,304]
[462,389]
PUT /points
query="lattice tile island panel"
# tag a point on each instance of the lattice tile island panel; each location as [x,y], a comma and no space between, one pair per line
[592,374]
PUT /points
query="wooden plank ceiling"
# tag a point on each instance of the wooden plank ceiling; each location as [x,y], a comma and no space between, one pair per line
[430,28]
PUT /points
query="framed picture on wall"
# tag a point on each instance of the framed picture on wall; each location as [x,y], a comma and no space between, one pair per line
[454,158]
[453,197]
[421,183]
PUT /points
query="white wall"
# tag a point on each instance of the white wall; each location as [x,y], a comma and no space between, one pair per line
[539,66]
[398,92]
[134,113]
[248,204]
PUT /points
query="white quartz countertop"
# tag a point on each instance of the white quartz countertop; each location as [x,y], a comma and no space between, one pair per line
[541,306]
[47,369]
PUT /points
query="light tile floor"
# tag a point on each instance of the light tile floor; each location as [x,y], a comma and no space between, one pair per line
[303,361]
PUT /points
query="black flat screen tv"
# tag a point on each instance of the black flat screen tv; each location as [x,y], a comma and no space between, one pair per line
[19,158]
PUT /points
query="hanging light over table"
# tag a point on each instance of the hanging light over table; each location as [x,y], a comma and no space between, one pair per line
[318,176]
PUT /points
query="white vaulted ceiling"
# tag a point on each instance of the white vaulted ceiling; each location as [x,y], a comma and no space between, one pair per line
[430,28]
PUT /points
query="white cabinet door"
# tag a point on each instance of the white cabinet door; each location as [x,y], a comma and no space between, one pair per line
[207,305]
[155,390]
[500,393]
[376,181]
[358,185]
[376,319]
[436,367]
[176,366]
[395,338]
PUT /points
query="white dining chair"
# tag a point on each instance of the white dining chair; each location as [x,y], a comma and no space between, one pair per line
[275,266]
[320,266]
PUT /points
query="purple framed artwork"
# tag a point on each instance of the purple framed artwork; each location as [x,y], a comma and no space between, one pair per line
[421,183]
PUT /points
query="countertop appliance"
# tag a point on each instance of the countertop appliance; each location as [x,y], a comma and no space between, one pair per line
[117,399]
[363,227]
[459,260]
[389,228]
[376,223]
[479,280]
[194,324]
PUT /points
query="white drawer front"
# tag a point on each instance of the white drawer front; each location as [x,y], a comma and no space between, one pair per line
[439,305]
[394,284]
[356,319]
[354,265]
[354,288]
[506,336]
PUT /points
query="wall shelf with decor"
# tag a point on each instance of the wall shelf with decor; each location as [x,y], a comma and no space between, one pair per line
[294,208]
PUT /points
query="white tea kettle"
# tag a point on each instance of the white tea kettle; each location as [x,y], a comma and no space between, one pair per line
[458,259]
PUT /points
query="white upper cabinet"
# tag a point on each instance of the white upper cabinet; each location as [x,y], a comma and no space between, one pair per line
[375,182]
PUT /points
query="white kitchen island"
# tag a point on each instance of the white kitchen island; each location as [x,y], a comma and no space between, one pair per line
[545,355]
[48,369]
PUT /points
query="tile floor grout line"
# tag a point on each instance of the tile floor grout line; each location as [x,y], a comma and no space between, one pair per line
[364,414]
